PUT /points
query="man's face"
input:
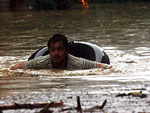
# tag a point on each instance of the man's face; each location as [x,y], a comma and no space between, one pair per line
[58,52]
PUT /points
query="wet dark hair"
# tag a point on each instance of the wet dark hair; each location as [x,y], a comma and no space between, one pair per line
[56,38]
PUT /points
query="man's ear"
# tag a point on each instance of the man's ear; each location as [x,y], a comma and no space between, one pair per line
[67,49]
[49,50]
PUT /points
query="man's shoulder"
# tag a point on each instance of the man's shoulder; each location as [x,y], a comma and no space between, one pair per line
[81,63]
[75,60]
[40,62]
[72,57]
[79,60]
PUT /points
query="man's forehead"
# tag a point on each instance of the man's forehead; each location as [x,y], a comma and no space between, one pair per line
[59,43]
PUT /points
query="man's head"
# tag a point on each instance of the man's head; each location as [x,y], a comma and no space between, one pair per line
[58,48]
[56,38]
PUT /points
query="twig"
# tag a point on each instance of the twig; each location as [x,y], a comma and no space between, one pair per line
[104,103]
[96,107]
[78,104]
[46,109]
[78,108]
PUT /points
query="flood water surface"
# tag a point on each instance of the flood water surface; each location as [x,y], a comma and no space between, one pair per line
[122,30]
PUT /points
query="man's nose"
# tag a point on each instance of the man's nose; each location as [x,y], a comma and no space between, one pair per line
[56,52]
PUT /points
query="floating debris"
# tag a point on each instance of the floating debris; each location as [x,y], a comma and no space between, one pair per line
[134,94]
[130,61]
[79,108]
[46,107]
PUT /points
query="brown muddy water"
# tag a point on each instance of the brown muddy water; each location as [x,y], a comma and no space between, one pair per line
[122,30]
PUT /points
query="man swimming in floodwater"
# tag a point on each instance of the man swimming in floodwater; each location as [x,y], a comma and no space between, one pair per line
[59,58]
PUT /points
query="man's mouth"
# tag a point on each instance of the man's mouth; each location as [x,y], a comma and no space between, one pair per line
[56,58]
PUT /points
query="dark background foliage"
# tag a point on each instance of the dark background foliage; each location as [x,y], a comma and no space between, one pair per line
[53,4]
[67,4]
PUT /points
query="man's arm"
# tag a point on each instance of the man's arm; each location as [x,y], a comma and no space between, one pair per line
[104,66]
[18,66]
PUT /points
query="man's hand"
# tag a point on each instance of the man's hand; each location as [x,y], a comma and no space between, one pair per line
[104,66]
[18,66]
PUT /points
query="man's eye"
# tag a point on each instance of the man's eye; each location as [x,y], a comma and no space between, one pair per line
[52,49]
[60,49]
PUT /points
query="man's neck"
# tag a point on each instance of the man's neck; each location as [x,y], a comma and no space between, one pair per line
[60,65]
